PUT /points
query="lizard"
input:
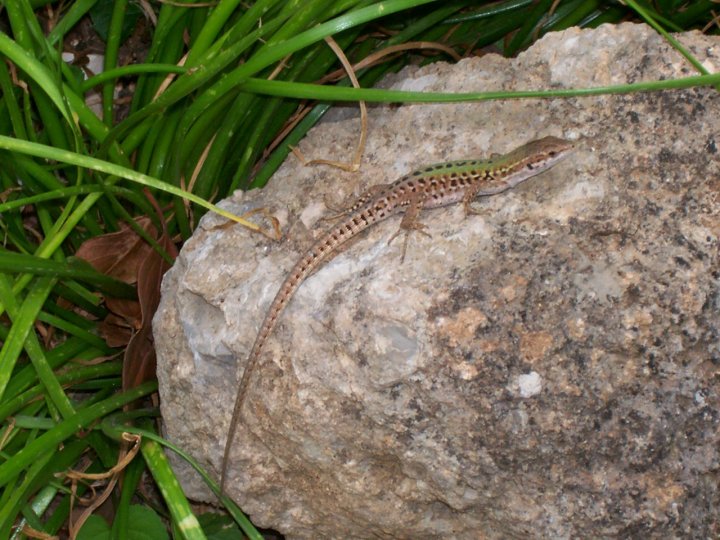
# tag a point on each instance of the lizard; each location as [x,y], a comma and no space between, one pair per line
[433,186]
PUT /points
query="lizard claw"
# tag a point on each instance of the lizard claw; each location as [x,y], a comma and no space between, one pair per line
[407,229]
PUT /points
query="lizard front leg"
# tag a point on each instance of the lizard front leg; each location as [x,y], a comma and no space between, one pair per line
[470,194]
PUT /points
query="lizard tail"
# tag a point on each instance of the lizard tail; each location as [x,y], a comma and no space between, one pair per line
[323,249]
[301,270]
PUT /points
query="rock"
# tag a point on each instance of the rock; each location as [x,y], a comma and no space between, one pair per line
[548,368]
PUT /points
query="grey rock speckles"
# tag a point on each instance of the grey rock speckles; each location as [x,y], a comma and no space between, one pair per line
[549,368]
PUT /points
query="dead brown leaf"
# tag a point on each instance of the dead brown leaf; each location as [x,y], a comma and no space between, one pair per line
[139,365]
[126,256]
[119,254]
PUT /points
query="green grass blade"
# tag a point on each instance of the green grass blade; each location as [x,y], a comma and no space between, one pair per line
[73,268]
[114,426]
[80,420]
[35,70]
[651,20]
[70,378]
[22,325]
[65,156]
[338,93]
[172,492]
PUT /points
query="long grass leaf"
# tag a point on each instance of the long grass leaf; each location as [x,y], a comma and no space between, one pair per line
[65,156]
[22,325]
[80,420]
[338,93]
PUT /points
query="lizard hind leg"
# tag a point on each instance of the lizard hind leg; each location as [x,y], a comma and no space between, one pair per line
[352,203]
[410,223]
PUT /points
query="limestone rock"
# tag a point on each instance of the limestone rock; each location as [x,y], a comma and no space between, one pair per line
[548,368]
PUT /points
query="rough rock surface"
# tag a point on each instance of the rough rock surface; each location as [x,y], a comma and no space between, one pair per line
[548,368]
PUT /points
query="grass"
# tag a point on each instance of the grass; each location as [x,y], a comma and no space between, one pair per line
[221,95]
